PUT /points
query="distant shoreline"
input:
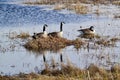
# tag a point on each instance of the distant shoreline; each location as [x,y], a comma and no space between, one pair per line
[52,2]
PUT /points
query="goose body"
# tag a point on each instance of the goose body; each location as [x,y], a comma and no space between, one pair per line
[87,31]
[57,34]
[42,34]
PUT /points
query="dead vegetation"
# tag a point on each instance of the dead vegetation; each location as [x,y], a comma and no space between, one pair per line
[70,72]
[22,35]
[116,3]
[103,41]
[107,42]
[51,43]
[71,1]
[74,5]
[66,70]
[78,8]
[55,44]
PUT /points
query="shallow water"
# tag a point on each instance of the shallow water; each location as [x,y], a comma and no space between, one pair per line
[14,58]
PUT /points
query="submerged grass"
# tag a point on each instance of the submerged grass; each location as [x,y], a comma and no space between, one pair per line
[107,42]
[22,35]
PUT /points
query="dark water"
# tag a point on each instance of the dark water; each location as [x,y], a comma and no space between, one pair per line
[16,18]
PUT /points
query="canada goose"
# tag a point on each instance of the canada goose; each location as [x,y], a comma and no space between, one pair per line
[57,34]
[87,31]
[42,34]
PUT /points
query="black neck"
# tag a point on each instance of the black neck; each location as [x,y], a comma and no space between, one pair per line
[43,28]
[61,26]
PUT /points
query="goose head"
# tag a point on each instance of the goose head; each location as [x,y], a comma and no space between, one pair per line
[92,28]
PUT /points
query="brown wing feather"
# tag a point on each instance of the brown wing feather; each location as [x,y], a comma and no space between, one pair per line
[85,31]
[53,34]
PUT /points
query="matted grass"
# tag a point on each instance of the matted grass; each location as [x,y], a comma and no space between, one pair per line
[51,43]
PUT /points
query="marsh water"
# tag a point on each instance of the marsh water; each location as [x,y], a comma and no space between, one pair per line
[16,17]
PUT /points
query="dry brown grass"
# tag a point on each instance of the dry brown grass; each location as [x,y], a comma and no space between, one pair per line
[103,42]
[59,6]
[51,43]
[38,2]
[12,35]
[116,3]
[71,1]
[78,8]
[114,39]
[96,72]
[23,35]
[68,72]
[107,42]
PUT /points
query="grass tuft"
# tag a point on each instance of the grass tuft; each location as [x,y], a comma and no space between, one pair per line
[107,43]
[70,72]
[80,9]
[94,70]
[59,7]
[50,43]
[66,70]
[23,35]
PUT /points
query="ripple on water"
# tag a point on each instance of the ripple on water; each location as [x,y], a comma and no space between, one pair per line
[14,14]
